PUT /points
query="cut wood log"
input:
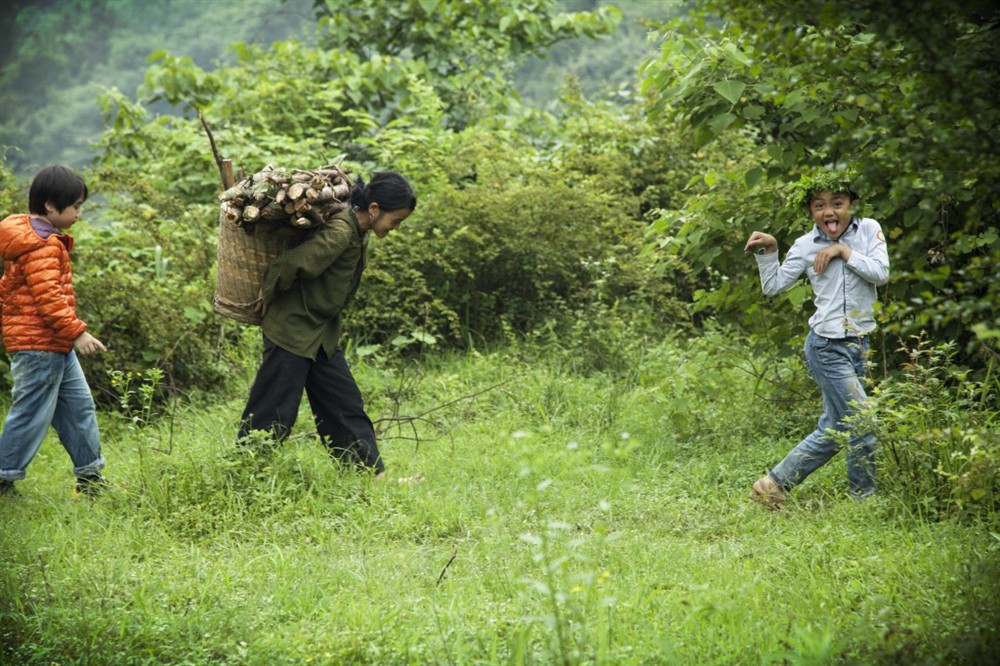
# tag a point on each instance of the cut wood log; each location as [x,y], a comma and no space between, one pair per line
[230,213]
[325,194]
[273,211]
[230,194]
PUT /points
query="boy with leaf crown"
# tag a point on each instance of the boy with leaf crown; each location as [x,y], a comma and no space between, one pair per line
[845,258]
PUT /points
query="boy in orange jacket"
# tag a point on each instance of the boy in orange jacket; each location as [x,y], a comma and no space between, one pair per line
[42,334]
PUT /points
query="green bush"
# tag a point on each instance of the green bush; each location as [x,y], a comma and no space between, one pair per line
[938,427]
[537,227]
[145,274]
[505,236]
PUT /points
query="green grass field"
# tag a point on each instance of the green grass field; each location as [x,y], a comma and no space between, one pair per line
[569,515]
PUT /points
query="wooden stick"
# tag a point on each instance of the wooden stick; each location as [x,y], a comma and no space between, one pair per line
[219,162]
[459,399]
[454,553]
[228,179]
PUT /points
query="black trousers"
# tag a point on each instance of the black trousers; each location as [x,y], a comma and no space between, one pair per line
[334,397]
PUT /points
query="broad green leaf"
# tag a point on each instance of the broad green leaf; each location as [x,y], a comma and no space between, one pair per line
[793,99]
[730,90]
[912,216]
[721,122]
[798,295]
[365,350]
[733,53]
[426,338]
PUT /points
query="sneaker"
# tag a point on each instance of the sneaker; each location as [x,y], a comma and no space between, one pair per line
[7,487]
[768,493]
[90,486]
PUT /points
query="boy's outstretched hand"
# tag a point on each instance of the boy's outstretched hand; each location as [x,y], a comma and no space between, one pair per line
[759,241]
[88,344]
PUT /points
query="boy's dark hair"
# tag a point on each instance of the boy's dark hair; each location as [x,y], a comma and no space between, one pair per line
[388,189]
[58,185]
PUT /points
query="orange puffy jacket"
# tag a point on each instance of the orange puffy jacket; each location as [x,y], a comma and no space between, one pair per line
[36,290]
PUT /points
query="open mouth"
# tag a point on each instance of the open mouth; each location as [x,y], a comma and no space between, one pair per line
[831,226]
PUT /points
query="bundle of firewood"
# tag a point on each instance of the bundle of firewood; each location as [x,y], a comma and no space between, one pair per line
[274,196]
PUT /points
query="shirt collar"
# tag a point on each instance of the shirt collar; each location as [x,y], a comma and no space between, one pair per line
[44,229]
[355,223]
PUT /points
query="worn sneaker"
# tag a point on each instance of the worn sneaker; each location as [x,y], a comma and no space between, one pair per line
[7,487]
[90,486]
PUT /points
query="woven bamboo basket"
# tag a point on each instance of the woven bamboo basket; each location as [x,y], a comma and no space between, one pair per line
[243,260]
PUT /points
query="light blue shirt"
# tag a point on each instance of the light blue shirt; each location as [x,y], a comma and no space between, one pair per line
[845,292]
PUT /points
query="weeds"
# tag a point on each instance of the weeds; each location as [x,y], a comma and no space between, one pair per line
[553,529]
[136,391]
[939,427]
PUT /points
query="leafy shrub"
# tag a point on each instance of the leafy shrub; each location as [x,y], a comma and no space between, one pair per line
[144,274]
[939,427]
[506,237]
[527,228]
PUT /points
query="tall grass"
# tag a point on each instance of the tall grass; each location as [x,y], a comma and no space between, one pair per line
[575,511]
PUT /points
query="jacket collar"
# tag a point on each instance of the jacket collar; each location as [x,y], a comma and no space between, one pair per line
[44,229]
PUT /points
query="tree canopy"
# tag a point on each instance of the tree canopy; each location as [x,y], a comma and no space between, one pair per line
[622,208]
[906,94]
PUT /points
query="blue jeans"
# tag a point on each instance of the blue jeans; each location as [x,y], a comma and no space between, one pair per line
[49,389]
[838,367]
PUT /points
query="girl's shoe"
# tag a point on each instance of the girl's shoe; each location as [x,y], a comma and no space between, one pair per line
[768,493]
[7,487]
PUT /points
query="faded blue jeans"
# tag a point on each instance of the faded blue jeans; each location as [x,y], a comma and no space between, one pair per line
[838,367]
[49,389]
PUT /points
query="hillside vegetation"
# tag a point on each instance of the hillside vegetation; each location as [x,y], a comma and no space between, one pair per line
[568,516]
[565,336]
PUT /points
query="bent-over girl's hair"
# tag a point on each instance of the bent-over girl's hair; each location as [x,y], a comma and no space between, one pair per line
[57,184]
[388,189]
